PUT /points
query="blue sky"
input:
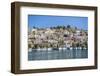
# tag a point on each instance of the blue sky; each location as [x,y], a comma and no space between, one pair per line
[45,21]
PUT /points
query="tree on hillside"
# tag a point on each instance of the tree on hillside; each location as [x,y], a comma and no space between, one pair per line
[68,26]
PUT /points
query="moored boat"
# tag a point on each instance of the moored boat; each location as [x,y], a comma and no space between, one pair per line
[30,49]
[71,48]
[60,48]
[64,48]
[49,49]
[39,49]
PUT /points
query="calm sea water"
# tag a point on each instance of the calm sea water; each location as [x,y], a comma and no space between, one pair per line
[57,54]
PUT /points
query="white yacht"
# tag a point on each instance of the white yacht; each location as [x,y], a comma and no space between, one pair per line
[38,49]
[64,48]
[49,49]
[30,49]
[84,48]
[76,48]
[60,48]
[80,48]
[71,48]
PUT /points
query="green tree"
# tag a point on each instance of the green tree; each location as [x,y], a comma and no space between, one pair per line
[68,26]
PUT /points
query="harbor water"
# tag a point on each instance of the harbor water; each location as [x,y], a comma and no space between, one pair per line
[57,54]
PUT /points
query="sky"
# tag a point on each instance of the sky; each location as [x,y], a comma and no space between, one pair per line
[46,21]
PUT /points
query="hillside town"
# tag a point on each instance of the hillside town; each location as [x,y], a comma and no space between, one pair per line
[59,37]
